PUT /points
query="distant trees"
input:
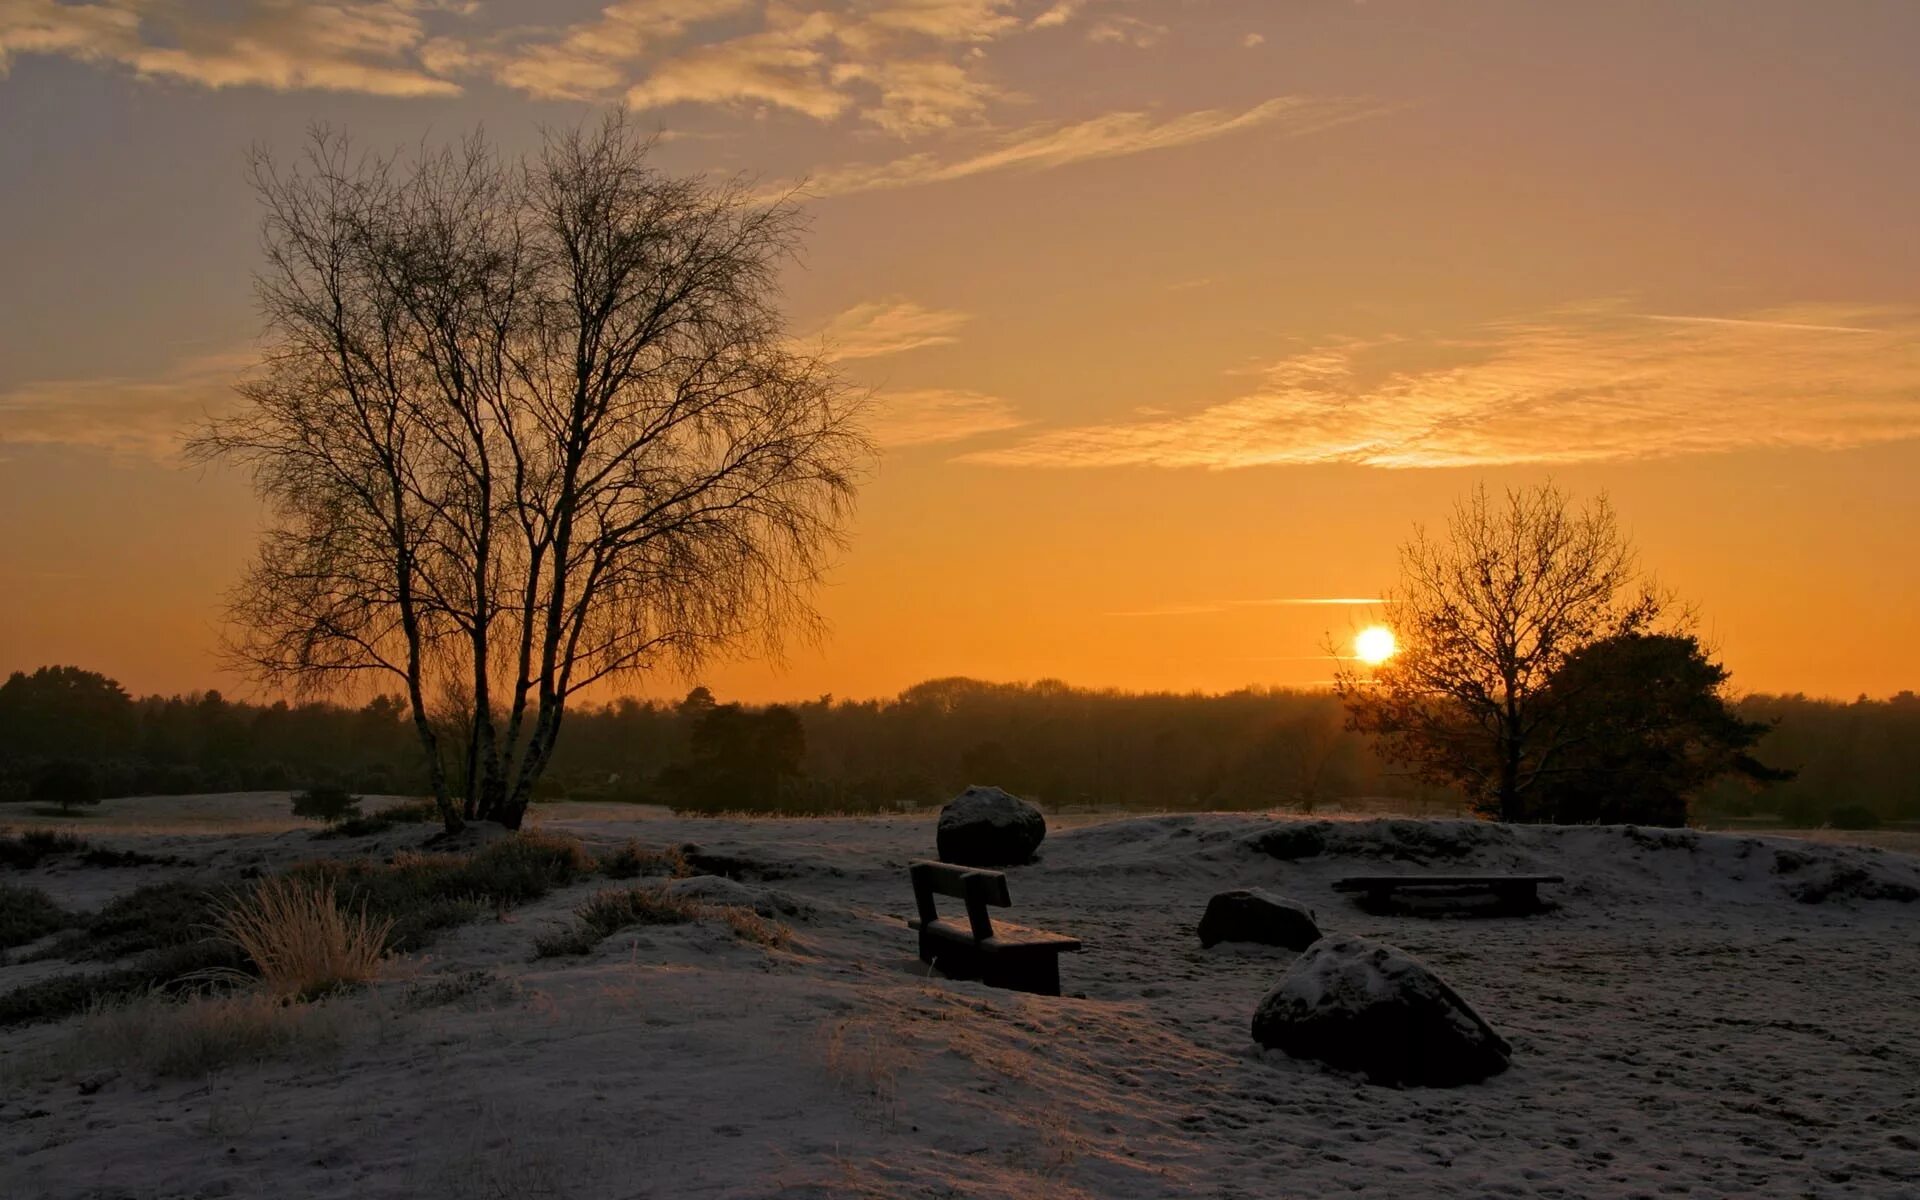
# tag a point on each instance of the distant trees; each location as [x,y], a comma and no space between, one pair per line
[1856,761]
[526,427]
[1538,671]
[739,758]
[63,712]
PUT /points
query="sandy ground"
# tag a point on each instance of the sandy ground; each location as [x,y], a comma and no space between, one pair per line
[1682,1026]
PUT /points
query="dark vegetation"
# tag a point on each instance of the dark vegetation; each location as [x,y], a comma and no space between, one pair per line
[1058,745]
[30,848]
[609,912]
[162,937]
[326,803]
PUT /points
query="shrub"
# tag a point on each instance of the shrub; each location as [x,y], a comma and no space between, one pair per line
[149,918]
[302,942]
[66,782]
[173,968]
[326,803]
[28,850]
[612,910]
[1853,816]
[27,915]
[425,893]
[633,860]
[383,819]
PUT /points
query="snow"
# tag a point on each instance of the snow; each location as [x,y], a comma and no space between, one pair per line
[1681,1023]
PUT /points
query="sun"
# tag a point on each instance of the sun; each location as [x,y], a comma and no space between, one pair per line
[1374,645]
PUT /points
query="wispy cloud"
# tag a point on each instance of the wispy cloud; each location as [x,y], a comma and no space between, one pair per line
[1580,385]
[891,326]
[1751,323]
[1193,610]
[143,417]
[933,416]
[372,47]
[1040,146]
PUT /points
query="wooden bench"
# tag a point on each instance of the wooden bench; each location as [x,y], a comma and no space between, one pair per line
[1004,955]
[1518,892]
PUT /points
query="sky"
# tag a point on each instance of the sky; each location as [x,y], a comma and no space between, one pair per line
[1180,314]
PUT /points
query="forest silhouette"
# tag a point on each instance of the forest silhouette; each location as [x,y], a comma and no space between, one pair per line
[1063,746]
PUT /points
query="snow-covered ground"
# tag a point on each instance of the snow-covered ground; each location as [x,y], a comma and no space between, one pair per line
[1686,1022]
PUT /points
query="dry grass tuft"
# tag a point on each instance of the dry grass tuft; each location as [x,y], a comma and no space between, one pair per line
[867,1060]
[186,1040]
[750,926]
[303,942]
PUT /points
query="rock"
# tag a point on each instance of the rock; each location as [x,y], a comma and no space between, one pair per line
[1363,1006]
[1251,915]
[986,827]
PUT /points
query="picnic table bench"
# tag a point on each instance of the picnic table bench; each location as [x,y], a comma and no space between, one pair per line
[1514,891]
[1004,955]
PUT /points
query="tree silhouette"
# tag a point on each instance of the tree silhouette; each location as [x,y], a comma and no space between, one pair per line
[525,427]
[1643,725]
[1485,617]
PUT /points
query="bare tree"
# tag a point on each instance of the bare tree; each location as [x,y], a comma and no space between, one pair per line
[1485,618]
[525,427]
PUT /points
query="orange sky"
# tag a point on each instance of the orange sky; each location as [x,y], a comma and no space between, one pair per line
[1174,310]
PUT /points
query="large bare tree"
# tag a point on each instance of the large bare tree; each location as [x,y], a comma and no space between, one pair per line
[525,426]
[1485,618]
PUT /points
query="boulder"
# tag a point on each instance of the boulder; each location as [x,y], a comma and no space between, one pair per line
[986,827]
[1364,1006]
[1251,915]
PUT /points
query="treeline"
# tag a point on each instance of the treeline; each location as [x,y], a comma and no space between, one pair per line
[1062,746]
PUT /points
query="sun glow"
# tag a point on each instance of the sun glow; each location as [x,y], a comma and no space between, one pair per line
[1374,645]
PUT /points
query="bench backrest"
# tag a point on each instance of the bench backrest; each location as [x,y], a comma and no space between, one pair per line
[977,887]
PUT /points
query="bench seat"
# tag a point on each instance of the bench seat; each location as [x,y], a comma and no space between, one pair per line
[998,953]
[1007,937]
[1515,892]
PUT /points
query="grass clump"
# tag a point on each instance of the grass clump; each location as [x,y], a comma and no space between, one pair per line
[750,926]
[204,1033]
[303,943]
[27,915]
[634,860]
[612,910]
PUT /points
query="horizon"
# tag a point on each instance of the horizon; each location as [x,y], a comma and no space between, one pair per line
[1178,320]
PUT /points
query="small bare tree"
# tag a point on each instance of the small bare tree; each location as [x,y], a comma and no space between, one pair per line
[1485,618]
[525,427]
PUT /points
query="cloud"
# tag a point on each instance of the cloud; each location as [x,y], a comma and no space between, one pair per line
[148,418]
[594,59]
[891,326]
[906,66]
[1589,384]
[371,47]
[1121,30]
[929,417]
[1038,147]
[1193,610]
[1253,41]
